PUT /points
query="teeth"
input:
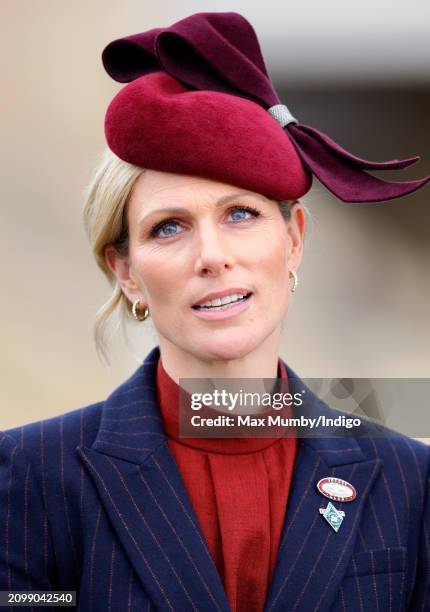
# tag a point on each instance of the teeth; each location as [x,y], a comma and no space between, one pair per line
[234,297]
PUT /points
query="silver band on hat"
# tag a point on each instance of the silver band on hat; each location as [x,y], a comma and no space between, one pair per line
[282,115]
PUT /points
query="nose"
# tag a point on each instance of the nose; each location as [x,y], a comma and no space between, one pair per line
[213,254]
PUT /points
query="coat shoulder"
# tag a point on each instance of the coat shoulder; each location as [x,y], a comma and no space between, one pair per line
[405,464]
[395,448]
[66,431]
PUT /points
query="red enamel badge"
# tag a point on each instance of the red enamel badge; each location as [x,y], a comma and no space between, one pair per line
[336,489]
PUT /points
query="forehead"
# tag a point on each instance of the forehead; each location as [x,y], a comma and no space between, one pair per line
[154,189]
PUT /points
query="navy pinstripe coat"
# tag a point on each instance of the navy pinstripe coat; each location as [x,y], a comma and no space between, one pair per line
[92,501]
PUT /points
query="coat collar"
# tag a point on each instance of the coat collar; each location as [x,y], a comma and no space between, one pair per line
[131,427]
[141,489]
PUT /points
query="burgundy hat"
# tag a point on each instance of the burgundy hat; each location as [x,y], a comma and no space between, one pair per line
[200,102]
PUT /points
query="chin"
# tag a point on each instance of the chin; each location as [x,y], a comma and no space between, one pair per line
[232,346]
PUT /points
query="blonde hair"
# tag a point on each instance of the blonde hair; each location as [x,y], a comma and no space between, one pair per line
[104,214]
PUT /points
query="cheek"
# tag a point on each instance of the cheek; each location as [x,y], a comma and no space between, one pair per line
[274,257]
[153,276]
[275,276]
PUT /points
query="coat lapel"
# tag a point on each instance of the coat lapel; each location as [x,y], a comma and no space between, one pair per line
[143,493]
[312,556]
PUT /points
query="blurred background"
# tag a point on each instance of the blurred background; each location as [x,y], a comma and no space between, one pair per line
[359,72]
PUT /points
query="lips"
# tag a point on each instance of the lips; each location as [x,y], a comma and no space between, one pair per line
[220,294]
[223,312]
[219,304]
[214,300]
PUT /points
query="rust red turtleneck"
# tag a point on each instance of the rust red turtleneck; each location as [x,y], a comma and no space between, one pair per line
[239,491]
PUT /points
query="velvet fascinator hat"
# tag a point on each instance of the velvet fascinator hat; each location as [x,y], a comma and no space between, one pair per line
[199,101]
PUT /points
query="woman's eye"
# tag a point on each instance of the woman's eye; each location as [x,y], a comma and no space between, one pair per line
[241,213]
[165,230]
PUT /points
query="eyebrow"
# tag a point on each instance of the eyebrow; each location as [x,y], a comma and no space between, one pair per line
[180,210]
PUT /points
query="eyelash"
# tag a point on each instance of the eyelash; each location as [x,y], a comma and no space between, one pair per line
[158,226]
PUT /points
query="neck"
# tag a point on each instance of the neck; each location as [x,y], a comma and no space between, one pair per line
[262,362]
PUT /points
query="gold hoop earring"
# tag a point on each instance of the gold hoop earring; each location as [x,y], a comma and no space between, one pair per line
[139,316]
[292,274]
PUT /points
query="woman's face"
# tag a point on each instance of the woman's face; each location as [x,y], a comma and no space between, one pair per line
[191,237]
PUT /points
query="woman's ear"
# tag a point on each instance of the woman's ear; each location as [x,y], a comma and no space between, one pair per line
[296,232]
[120,267]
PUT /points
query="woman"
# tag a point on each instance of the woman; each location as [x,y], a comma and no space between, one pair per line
[195,216]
